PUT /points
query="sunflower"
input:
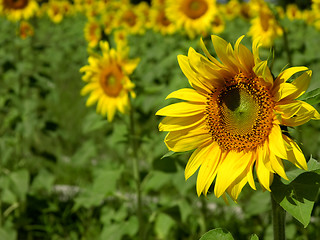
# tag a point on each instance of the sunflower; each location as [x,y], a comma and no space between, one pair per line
[160,22]
[265,26]
[218,24]
[18,9]
[131,18]
[293,12]
[232,117]
[25,30]
[108,82]
[193,16]
[92,32]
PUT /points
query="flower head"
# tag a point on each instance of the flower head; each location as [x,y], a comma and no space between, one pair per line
[232,115]
[193,16]
[265,26]
[18,9]
[108,82]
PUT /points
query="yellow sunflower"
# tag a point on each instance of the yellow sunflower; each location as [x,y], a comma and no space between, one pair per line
[266,27]
[193,16]
[92,32]
[232,117]
[160,22]
[293,12]
[218,24]
[108,82]
[131,18]
[18,9]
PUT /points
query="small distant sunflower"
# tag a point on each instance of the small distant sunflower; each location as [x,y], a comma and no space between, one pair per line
[266,27]
[193,16]
[218,24]
[25,30]
[160,22]
[293,12]
[55,11]
[232,117]
[92,32]
[18,9]
[231,9]
[108,82]
[131,18]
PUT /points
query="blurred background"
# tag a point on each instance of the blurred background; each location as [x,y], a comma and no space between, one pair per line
[66,172]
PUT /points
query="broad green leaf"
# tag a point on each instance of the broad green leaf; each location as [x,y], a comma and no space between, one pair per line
[8,234]
[298,197]
[43,181]
[20,183]
[163,225]
[254,237]
[217,234]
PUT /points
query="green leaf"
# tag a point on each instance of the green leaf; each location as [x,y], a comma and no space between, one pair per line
[20,183]
[163,225]
[312,97]
[254,237]
[217,234]
[298,197]
[43,181]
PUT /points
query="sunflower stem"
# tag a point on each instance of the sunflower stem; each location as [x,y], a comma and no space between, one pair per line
[286,46]
[136,173]
[278,219]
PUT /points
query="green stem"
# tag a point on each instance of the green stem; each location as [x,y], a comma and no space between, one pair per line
[278,218]
[136,173]
[286,46]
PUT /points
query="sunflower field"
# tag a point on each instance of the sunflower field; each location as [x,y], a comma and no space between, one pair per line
[95,145]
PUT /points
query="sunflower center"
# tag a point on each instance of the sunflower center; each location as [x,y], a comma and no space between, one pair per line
[264,20]
[15,4]
[111,80]
[129,18]
[239,115]
[238,110]
[194,8]
[162,19]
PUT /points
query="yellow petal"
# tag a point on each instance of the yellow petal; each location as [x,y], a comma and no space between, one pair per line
[295,154]
[188,94]
[263,173]
[303,115]
[262,70]
[277,166]
[94,96]
[207,73]
[204,49]
[179,123]
[208,168]
[182,109]
[191,75]
[224,53]
[236,187]
[231,167]
[187,139]
[276,144]
[196,159]
[287,73]
[89,87]
[288,109]
[301,84]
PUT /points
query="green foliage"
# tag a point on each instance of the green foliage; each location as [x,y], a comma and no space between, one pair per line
[298,195]
[217,234]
